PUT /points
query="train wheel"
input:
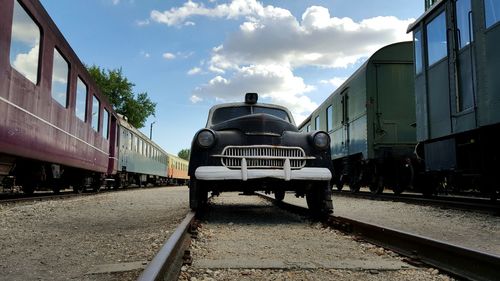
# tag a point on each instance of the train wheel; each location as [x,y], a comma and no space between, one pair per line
[198,195]
[430,186]
[355,181]
[319,199]
[279,195]
[340,183]
[78,189]
[354,186]
[377,185]
[29,188]
[405,177]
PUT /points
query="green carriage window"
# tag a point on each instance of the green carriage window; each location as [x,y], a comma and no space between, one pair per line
[60,72]
[24,44]
[329,118]
[81,100]
[492,10]
[308,128]
[418,51]
[463,9]
[316,123]
[436,39]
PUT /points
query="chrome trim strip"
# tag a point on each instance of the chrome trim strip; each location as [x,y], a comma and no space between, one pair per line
[52,125]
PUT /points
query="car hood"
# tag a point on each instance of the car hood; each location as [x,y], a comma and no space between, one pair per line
[257,124]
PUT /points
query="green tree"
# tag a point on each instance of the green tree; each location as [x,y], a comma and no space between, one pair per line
[118,89]
[184,154]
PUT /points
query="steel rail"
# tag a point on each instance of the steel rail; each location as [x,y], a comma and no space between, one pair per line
[466,203]
[459,261]
[167,263]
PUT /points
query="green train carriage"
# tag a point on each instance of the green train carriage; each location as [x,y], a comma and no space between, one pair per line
[371,121]
[457,61]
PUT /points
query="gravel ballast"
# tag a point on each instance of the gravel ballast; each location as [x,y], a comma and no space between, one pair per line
[89,237]
[464,228]
[248,238]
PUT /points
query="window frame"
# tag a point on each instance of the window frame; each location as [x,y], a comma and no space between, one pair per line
[427,41]
[418,55]
[317,123]
[493,24]
[68,76]
[105,125]
[329,118]
[40,43]
[79,79]
[95,98]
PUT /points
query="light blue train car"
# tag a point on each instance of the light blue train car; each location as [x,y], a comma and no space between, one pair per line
[140,160]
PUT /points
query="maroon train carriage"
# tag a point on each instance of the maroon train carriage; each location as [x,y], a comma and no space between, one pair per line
[56,130]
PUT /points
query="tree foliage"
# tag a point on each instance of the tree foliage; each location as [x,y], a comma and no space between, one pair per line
[118,89]
[184,154]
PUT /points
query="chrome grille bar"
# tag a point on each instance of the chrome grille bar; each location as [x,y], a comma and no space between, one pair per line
[263,157]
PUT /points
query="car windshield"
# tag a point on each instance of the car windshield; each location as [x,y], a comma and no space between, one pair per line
[226,113]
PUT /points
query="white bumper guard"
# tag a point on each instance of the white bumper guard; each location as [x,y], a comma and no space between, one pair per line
[244,174]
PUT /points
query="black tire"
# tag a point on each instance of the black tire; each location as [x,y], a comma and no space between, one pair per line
[279,195]
[319,199]
[198,195]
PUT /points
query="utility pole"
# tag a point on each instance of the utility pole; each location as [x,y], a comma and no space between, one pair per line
[151,131]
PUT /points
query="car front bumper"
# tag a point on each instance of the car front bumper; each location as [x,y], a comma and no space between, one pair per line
[216,173]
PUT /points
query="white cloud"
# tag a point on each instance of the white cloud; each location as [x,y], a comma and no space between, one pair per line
[116,2]
[194,70]
[335,81]
[27,63]
[168,56]
[233,10]
[145,54]
[142,22]
[271,44]
[318,40]
[195,99]
[274,83]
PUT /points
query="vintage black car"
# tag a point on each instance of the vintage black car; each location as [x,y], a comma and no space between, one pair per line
[257,147]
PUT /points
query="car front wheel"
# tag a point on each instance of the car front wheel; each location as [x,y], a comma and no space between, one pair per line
[319,199]
[198,195]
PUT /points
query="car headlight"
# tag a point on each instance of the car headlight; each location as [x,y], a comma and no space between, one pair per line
[205,138]
[321,140]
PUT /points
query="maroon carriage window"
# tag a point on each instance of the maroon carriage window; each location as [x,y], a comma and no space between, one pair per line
[25,44]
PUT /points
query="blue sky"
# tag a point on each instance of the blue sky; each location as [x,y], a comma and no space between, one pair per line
[190,55]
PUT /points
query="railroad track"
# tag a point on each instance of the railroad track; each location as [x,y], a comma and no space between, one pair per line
[455,202]
[457,261]
[8,198]
[461,262]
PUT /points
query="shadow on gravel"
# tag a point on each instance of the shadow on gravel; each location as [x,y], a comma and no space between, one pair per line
[245,213]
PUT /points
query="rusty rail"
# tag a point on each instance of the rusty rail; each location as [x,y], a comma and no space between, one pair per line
[167,263]
[459,261]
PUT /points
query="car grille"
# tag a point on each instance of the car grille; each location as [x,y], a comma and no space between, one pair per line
[263,157]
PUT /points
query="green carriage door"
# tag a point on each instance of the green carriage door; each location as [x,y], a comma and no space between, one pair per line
[345,122]
[438,85]
[462,88]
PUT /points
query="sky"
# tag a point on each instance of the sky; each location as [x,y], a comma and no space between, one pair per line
[191,55]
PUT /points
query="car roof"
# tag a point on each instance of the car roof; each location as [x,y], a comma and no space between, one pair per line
[240,104]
